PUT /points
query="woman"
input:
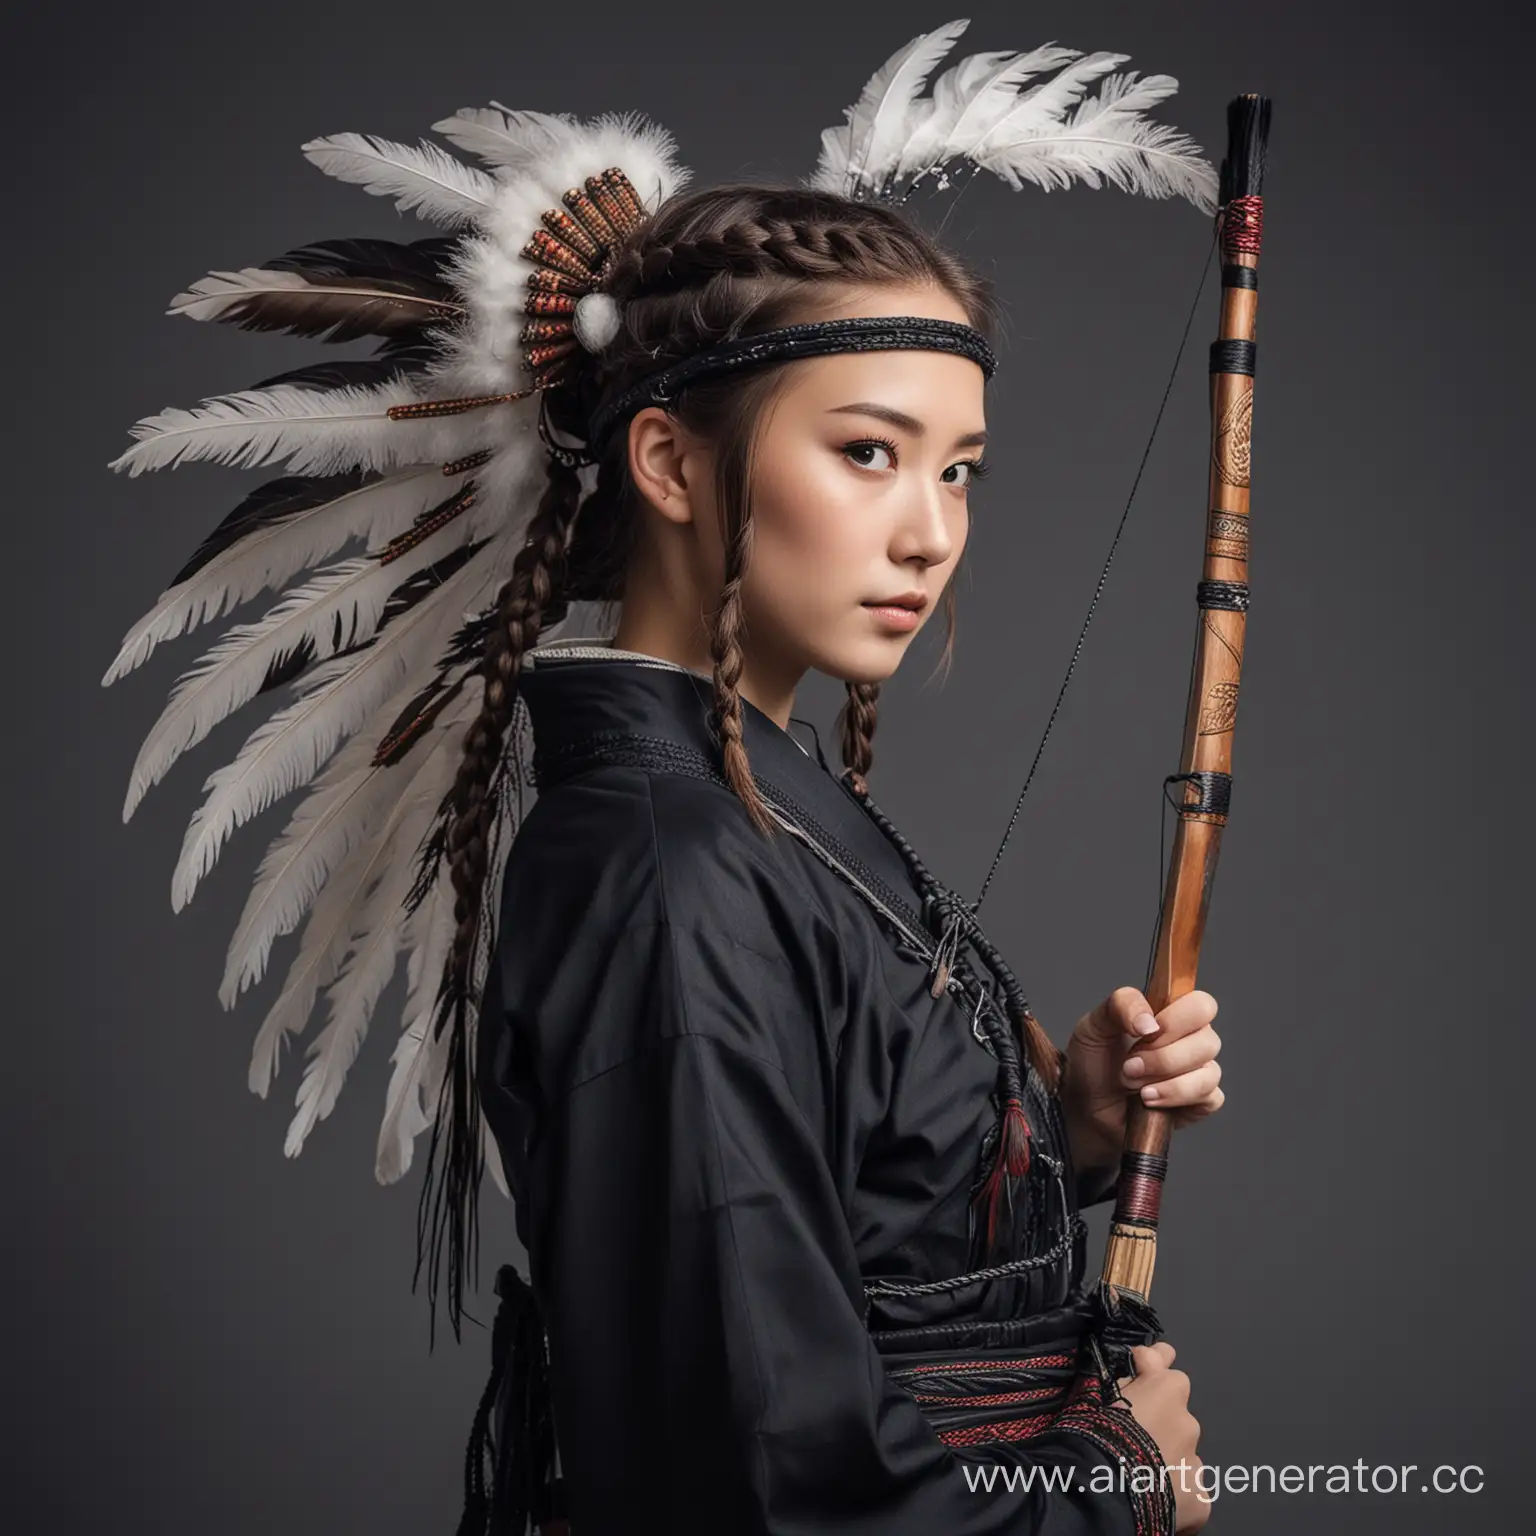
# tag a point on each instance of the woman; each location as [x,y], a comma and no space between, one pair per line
[798,1173]
[733,1115]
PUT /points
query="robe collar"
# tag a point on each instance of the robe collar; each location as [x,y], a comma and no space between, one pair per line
[582,693]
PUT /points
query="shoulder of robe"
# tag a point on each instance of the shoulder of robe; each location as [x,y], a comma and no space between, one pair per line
[608,863]
[663,846]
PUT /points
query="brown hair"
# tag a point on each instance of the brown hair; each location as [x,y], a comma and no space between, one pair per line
[710,266]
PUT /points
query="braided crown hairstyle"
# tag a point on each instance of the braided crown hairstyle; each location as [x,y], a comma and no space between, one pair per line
[709,266]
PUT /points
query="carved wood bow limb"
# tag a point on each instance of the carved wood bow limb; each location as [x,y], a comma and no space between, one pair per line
[1211,710]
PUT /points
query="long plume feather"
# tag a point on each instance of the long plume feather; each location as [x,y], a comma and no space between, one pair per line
[338,810]
[336,609]
[277,546]
[333,309]
[318,431]
[503,137]
[422,179]
[342,910]
[419,1054]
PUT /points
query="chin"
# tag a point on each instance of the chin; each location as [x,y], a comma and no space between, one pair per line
[873,660]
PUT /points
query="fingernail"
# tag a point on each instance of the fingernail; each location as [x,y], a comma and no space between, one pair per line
[1149,1093]
[1144,1024]
[1135,1066]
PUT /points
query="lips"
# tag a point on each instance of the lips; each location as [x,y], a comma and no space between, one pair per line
[916,601]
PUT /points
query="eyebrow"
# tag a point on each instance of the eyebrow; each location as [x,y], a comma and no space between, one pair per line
[901,419]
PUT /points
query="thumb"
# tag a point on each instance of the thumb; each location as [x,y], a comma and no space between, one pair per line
[1124,1016]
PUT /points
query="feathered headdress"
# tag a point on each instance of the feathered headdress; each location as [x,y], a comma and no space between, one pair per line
[411,477]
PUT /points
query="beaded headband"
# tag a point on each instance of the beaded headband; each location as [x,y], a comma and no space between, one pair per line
[817,338]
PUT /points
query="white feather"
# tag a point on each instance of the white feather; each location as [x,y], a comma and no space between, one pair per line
[889,107]
[336,608]
[318,431]
[343,805]
[273,552]
[210,297]
[422,179]
[978,112]
[968,98]
[374,948]
[411,1100]
[503,137]
[343,808]
[1107,139]
[343,911]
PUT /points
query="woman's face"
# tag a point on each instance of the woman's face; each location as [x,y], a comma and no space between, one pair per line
[859,497]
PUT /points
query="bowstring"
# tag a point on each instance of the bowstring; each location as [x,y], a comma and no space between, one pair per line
[1114,544]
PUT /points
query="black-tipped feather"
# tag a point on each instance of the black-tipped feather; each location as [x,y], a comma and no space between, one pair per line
[418,265]
[465,651]
[410,592]
[349,373]
[273,502]
[388,289]
[285,669]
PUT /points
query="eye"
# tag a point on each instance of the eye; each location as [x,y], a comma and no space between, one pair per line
[871,446]
[975,469]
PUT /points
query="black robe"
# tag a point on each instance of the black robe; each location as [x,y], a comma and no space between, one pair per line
[742,1137]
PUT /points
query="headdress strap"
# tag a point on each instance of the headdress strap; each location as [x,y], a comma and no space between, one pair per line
[817,338]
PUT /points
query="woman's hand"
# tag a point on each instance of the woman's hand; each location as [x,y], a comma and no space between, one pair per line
[1159,1398]
[1123,1048]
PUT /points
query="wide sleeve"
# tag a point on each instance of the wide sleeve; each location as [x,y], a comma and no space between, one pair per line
[710,1368]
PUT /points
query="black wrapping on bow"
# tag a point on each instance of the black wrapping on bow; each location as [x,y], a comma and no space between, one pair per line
[513,1430]
[1117,1322]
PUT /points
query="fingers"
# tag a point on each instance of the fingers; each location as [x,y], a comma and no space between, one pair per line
[1126,1013]
[1182,1073]
[1153,1357]
[1185,1015]
[1129,1013]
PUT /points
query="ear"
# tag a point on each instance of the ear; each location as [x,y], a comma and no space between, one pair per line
[667,464]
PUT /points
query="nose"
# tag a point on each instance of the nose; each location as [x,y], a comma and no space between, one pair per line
[923,532]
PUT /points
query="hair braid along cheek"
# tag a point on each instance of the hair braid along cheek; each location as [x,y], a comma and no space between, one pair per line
[725,649]
[858,727]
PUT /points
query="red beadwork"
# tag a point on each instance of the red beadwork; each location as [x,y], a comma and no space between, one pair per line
[549,304]
[1242,227]
[418,410]
[426,526]
[570,233]
[544,249]
[545,330]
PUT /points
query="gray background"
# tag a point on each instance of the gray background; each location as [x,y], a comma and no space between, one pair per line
[202,1333]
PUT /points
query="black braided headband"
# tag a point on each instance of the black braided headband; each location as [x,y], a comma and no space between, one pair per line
[868,333]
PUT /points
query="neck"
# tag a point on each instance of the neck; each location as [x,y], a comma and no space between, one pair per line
[656,630]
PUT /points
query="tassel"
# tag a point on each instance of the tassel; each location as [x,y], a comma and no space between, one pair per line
[1118,1321]
[944,956]
[521,1447]
[1010,1163]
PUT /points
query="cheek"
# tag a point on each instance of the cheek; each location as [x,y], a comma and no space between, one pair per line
[813,542]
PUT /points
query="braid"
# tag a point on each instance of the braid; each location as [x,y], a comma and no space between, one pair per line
[803,248]
[725,648]
[858,723]
[536,583]
[534,591]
